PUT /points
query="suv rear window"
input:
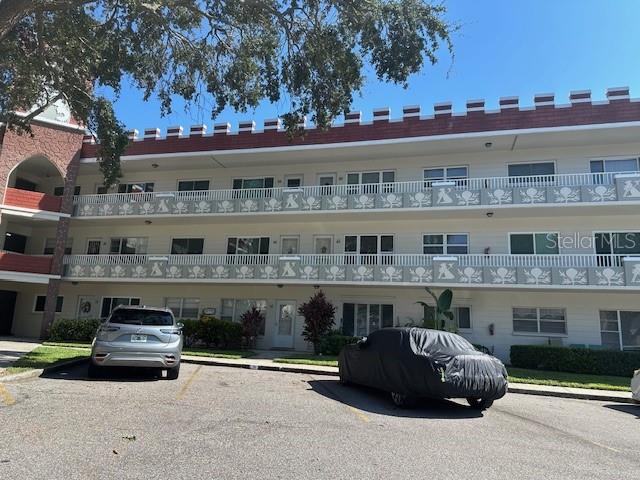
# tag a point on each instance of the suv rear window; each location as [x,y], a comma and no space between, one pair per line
[141,317]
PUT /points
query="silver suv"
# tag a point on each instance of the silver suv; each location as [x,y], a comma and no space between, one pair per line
[138,337]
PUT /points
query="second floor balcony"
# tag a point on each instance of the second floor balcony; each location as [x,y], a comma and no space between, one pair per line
[489,192]
[494,271]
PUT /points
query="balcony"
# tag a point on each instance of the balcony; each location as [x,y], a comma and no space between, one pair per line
[17,262]
[509,271]
[490,192]
[14,197]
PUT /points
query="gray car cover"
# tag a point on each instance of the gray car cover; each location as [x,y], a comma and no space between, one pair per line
[423,363]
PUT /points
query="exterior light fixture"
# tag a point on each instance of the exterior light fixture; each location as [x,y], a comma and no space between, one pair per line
[488,144]
[489,214]
[154,165]
[148,222]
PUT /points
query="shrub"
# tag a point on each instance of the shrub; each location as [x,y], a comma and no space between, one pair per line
[74,329]
[190,331]
[251,321]
[575,360]
[220,333]
[318,315]
[332,343]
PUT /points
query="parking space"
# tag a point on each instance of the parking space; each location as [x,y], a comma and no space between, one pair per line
[217,422]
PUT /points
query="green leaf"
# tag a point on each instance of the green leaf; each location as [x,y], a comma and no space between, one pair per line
[445,299]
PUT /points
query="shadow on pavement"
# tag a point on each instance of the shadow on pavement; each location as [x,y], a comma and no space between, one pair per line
[376,401]
[633,409]
[111,374]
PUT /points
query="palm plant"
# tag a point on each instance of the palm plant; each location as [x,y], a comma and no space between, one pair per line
[438,316]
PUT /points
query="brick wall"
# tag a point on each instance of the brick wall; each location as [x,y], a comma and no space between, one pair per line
[33,200]
[16,262]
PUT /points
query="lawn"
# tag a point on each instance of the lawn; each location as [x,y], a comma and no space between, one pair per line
[46,356]
[321,360]
[516,375]
[200,352]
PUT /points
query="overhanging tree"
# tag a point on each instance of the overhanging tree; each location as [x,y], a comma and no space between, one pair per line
[311,53]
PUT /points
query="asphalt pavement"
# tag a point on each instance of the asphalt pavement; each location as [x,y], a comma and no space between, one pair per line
[229,423]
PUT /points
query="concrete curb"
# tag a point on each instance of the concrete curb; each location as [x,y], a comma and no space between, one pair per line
[583,395]
[252,366]
[36,372]
[558,392]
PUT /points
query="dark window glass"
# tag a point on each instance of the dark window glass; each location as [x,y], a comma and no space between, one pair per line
[187,246]
[193,185]
[128,316]
[597,166]
[525,169]
[351,243]
[348,314]
[386,243]
[58,191]
[232,245]
[264,245]
[521,244]
[41,301]
[463,317]
[387,316]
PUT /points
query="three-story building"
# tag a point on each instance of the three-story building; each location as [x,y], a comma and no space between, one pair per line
[531,215]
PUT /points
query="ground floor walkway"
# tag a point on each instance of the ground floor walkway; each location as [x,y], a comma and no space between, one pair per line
[11,349]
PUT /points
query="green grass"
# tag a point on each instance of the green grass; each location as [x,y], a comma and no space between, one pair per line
[320,360]
[205,352]
[68,344]
[46,356]
[565,379]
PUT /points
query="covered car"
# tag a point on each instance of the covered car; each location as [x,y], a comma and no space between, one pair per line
[417,362]
[635,386]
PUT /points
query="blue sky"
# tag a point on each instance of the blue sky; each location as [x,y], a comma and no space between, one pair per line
[504,48]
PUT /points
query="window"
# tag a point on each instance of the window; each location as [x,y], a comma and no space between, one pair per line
[246,183]
[445,173]
[187,246]
[615,165]
[370,181]
[138,187]
[193,185]
[93,246]
[370,246]
[534,244]
[293,182]
[41,300]
[232,309]
[102,190]
[362,318]
[290,245]
[445,244]
[617,243]
[463,317]
[109,303]
[183,307]
[620,329]
[128,245]
[50,246]
[248,246]
[529,169]
[550,321]
[59,191]
[327,182]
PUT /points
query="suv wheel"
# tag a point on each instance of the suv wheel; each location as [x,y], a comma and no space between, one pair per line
[172,373]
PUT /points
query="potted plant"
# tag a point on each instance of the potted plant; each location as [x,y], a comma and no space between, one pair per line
[439,316]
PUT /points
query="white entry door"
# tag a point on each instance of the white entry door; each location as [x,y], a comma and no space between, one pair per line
[285,324]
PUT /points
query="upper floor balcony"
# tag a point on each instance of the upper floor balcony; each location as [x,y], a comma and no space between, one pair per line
[419,195]
[615,272]
[26,199]
[25,268]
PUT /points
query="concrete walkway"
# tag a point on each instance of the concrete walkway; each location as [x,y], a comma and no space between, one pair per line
[525,388]
[12,348]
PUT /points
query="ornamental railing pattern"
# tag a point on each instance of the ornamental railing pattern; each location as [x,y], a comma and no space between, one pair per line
[494,270]
[468,192]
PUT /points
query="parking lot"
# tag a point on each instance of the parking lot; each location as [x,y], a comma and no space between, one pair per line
[228,423]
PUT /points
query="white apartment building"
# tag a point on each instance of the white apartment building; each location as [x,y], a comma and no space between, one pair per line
[530,214]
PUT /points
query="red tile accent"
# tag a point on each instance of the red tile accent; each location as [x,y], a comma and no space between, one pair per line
[507,119]
[34,200]
[16,262]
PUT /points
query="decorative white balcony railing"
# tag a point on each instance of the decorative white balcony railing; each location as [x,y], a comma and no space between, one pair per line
[491,191]
[497,270]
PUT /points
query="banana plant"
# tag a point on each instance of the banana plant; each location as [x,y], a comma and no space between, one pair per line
[438,316]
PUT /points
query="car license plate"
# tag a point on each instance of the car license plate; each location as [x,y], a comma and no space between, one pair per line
[138,338]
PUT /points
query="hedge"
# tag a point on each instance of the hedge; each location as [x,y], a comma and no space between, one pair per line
[575,360]
[74,329]
[212,332]
[332,343]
